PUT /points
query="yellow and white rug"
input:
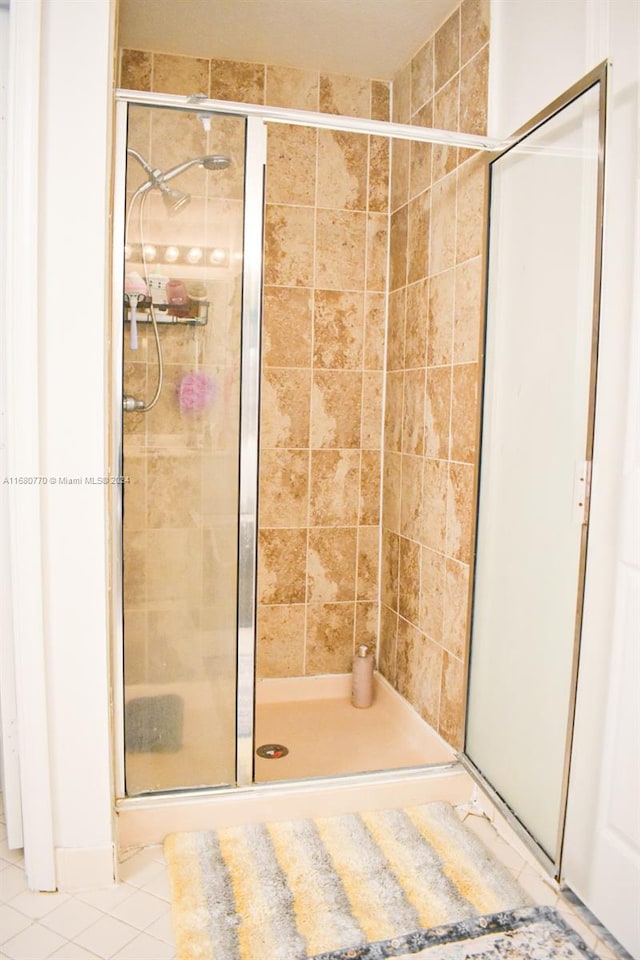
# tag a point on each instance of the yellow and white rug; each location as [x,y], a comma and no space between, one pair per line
[292,890]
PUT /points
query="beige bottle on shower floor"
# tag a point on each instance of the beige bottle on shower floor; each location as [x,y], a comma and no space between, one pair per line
[362,678]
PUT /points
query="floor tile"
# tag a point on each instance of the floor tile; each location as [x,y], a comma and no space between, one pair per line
[162,929]
[11,922]
[106,937]
[140,909]
[37,905]
[71,918]
[145,947]
[34,943]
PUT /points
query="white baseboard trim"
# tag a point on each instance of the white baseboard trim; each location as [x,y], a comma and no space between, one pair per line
[85,868]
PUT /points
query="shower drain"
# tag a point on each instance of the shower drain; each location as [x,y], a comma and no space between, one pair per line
[272,751]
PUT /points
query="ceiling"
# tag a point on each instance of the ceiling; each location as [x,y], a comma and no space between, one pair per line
[362,38]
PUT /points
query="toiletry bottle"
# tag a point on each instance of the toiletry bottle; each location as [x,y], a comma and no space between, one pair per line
[362,678]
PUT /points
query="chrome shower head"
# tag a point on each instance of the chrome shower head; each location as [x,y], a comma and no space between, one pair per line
[174,200]
[212,162]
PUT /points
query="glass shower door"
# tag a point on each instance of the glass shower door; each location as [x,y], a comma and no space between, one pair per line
[180,446]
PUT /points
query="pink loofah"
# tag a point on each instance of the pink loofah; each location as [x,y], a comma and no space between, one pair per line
[195,392]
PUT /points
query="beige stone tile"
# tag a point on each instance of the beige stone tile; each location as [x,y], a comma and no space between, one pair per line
[291,164]
[398,249]
[395,329]
[340,249]
[443,225]
[284,479]
[447,50]
[474,27]
[460,509]
[336,409]
[134,562]
[392,475]
[374,331]
[434,495]
[421,153]
[468,313]
[288,248]
[285,407]
[286,332]
[418,236]
[174,490]
[456,602]
[380,100]
[368,563]
[370,479]
[329,641]
[452,703]
[334,487]
[174,138]
[422,68]
[331,564]
[377,234]
[464,412]
[393,411]
[401,101]
[419,670]
[432,594]
[236,80]
[445,117]
[437,412]
[343,160]
[349,96]
[174,565]
[409,580]
[400,173]
[411,504]
[220,556]
[135,69]
[413,409]
[387,644]
[219,485]
[470,227]
[293,88]
[282,560]
[338,320]
[135,640]
[134,491]
[389,569]
[441,312]
[172,653]
[280,646]
[180,75]
[371,436]
[416,325]
[366,625]
[379,172]
[474,90]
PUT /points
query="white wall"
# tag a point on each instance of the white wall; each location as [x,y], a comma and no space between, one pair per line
[66,278]
[537,51]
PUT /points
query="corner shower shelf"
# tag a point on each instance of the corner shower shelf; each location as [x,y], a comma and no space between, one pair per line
[195,313]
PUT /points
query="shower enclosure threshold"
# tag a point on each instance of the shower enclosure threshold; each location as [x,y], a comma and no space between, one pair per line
[149,819]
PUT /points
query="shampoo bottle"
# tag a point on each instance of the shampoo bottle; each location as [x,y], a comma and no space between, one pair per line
[362,678]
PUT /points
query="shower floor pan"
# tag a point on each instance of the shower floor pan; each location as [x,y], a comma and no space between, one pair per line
[339,759]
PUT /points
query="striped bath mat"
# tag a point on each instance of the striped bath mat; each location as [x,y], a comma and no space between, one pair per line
[291,890]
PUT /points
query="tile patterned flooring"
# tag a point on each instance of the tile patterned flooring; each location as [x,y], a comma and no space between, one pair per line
[132,921]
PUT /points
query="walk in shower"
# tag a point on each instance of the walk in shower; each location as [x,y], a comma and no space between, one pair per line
[243,280]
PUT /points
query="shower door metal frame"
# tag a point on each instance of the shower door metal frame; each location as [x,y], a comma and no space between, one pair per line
[596,77]
[256,118]
[251,315]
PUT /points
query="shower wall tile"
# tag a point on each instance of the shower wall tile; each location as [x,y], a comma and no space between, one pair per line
[280,640]
[180,75]
[372,383]
[238,81]
[374,326]
[336,409]
[331,564]
[329,640]
[293,88]
[338,330]
[409,580]
[282,554]
[135,69]
[289,239]
[447,50]
[376,266]
[435,317]
[174,491]
[366,625]
[390,569]
[380,100]
[368,549]
[284,407]
[340,250]
[378,174]
[333,495]
[284,482]
[286,327]
[370,481]
[342,170]
[349,96]
[291,172]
